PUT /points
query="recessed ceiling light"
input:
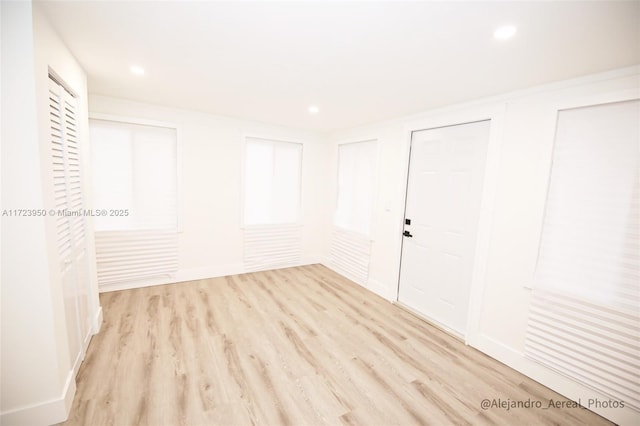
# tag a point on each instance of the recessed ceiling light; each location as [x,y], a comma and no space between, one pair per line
[136,70]
[505,32]
[313,109]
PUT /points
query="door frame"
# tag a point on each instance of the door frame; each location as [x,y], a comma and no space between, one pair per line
[495,112]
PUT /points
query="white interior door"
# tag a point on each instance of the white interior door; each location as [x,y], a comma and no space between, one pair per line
[446,170]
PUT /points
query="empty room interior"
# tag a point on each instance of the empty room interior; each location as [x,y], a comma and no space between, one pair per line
[320,212]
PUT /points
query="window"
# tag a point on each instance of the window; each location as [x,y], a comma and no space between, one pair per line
[350,252]
[590,237]
[356,186]
[135,195]
[584,320]
[272,175]
[271,182]
[134,170]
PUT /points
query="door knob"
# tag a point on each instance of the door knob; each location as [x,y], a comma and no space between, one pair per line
[407,234]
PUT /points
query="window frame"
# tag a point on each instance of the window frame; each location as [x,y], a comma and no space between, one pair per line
[243,168]
[153,123]
[376,186]
[544,174]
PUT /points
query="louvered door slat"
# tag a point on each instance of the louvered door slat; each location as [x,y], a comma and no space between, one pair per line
[74,174]
[59,166]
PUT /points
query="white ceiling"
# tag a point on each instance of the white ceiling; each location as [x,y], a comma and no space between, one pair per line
[359,62]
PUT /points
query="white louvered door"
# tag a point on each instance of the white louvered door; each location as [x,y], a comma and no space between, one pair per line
[70,223]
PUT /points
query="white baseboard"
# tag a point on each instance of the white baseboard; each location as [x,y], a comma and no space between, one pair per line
[553,380]
[43,413]
[138,284]
[97,321]
[377,287]
[382,290]
[311,260]
[183,275]
[331,265]
[193,274]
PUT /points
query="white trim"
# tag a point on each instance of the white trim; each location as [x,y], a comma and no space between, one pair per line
[97,321]
[346,275]
[53,75]
[48,412]
[310,260]
[137,284]
[325,261]
[485,221]
[131,120]
[402,210]
[376,287]
[268,138]
[495,113]
[78,361]
[430,320]
[194,274]
[179,180]
[382,290]
[507,97]
[357,140]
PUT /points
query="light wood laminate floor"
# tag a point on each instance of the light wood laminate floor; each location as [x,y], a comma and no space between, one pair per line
[299,346]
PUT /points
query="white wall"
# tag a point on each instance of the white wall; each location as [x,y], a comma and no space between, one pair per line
[210,243]
[36,377]
[28,339]
[518,170]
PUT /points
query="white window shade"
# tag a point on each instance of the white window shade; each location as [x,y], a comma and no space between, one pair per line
[589,244]
[271,182]
[585,321]
[272,176]
[351,240]
[134,169]
[135,178]
[356,186]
